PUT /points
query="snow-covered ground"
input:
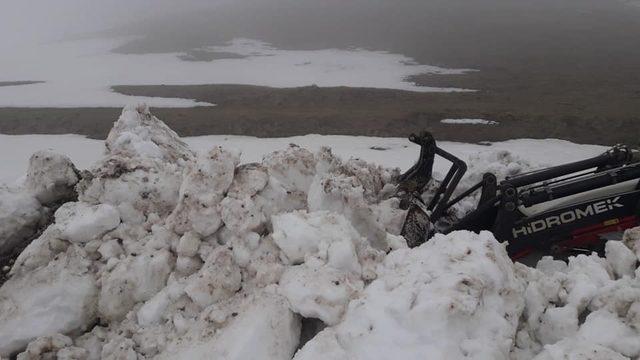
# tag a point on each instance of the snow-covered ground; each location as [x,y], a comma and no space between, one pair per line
[15,150]
[80,73]
[469,122]
[160,251]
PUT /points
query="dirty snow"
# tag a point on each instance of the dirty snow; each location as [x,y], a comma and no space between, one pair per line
[191,250]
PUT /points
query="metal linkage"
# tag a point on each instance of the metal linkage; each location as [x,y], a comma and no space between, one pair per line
[616,156]
[439,202]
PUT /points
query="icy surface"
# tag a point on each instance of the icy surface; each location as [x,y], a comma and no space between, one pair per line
[173,253]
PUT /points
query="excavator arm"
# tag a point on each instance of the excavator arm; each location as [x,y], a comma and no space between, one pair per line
[581,188]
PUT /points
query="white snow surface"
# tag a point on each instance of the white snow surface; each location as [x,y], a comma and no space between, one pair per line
[80,73]
[189,254]
[15,150]
[469,122]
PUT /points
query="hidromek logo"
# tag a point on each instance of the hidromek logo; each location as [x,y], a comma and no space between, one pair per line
[568,217]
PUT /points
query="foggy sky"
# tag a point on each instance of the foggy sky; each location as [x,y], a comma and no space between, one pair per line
[43,20]
[521,34]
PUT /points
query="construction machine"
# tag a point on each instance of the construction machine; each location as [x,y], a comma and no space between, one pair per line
[566,209]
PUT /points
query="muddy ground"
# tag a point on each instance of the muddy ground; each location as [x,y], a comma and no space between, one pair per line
[590,115]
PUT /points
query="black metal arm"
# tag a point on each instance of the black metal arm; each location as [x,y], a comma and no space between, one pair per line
[616,156]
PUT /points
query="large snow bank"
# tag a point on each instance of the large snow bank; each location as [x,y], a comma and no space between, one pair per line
[170,241]
[171,254]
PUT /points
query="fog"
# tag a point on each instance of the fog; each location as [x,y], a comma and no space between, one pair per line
[46,20]
[513,39]
[484,34]
[470,33]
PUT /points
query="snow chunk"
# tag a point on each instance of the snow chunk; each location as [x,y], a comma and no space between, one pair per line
[260,327]
[294,167]
[40,252]
[58,298]
[300,234]
[119,348]
[557,324]
[241,215]
[319,292]
[578,350]
[602,336]
[501,163]
[151,312]
[188,245]
[455,296]
[137,187]
[621,258]
[218,279]
[142,172]
[205,183]
[20,216]
[361,192]
[249,180]
[110,249]
[81,223]
[56,346]
[132,280]
[631,238]
[51,177]
[138,133]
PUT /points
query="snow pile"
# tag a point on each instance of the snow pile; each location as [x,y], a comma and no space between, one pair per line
[142,170]
[165,250]
[158,252]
